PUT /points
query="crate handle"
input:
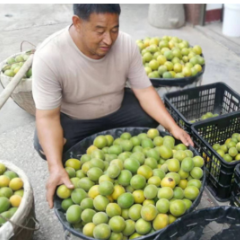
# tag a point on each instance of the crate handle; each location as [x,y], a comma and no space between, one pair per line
[192,95]
[235,100]
[222,124]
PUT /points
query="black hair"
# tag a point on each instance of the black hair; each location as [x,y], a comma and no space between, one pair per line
[84,11]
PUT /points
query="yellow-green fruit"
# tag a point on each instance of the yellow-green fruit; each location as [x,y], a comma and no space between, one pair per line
[73,214]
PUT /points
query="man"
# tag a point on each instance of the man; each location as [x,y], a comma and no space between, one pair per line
[79,77]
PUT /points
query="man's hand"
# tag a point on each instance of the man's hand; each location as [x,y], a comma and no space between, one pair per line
[56,177]
[180,134]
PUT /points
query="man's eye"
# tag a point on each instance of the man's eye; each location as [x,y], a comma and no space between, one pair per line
[100,32]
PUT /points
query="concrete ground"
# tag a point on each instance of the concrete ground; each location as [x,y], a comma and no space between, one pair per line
[213,30]
[34,23]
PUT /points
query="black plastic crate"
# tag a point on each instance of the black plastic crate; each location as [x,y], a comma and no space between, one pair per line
[190,104]
[236,187]
[220,174]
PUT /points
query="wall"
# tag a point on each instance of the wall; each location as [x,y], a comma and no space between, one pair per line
[213,6]
[213,12]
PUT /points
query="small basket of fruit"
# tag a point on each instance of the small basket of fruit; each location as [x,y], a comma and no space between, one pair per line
[128,183]
[13,64]
[22,94]
[17,213]
[171,63]
[200,103]
[218,142]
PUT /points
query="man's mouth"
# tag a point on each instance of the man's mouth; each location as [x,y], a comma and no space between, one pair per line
[105,49]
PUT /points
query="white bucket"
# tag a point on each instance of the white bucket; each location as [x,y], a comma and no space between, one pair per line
[231,20]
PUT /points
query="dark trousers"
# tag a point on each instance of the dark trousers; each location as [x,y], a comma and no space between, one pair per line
[130,114]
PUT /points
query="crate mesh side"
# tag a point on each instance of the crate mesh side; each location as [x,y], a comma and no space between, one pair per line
[230,103]
[193,107]
[215,100]
[220,131]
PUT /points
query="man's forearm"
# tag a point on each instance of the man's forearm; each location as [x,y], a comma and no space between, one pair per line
[50,135]
[153,105]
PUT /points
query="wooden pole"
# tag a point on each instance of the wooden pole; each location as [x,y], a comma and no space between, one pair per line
[6,93]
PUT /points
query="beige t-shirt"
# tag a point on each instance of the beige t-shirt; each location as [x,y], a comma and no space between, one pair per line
[85,88]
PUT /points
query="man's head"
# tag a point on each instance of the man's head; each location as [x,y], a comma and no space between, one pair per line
[97,27]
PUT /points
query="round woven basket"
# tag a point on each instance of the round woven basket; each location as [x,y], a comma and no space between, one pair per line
[22,95]
[22,223]
[78,150]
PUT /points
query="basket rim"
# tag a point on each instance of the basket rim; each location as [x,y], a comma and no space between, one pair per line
[27,196]
[237,169]
[180,82]
[177,80]
[5,62]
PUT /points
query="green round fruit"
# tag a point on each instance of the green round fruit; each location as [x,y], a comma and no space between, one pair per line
[73,214]
[102,231]
[125,200]
[117,224]
[100,217]
[113,171]
[138,182]
[124,178]
[131,164]
[87,203]
[87,215]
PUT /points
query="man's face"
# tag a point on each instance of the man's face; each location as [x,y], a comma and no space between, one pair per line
[98,34]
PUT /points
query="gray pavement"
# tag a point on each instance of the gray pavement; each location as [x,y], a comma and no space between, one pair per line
[34,23]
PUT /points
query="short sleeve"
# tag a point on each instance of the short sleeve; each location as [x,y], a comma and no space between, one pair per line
[46,88]
[137,76]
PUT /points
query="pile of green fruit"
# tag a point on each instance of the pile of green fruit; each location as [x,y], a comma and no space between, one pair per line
[170,57]
[205,116]
[14,64]
[230,150]
[131,186]
[11,193]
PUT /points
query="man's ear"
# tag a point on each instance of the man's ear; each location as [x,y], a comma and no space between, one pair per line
[77,22]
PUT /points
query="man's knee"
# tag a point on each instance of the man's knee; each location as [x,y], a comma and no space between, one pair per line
[149,121]
[38,147]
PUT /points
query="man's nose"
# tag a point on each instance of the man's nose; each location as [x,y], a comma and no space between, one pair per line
[107,39]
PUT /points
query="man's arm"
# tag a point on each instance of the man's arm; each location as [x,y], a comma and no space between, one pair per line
[153,105]
[50,136]
[47,94]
